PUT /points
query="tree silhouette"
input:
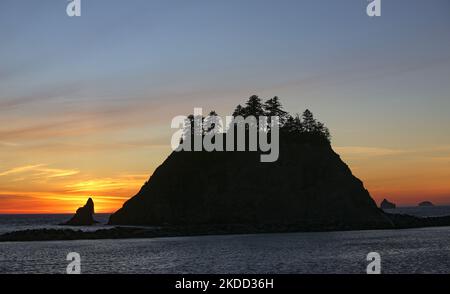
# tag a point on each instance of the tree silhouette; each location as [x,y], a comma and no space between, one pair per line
[322,130]
[212,123]
[188,131]
[289,125]
[273,108]
[239,111]
[309,123]
[254,107]
[293,124]
[304,126]
[189,125]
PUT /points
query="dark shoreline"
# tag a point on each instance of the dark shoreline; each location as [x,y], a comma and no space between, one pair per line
[129,232]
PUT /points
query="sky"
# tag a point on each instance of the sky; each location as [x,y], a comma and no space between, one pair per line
[86,102]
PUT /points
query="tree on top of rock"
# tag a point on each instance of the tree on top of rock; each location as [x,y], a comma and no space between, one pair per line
[323,131]
[293,124]
[273,107]
[212,123]
[254,107]
[309,123]
[311,126]
[239,111]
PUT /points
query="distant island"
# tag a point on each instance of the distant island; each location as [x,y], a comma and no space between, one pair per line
[426,204]
[309,188]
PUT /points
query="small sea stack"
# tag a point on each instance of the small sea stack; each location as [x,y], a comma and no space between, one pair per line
[84,215]
[386,204]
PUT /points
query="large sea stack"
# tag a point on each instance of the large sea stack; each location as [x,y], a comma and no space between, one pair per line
[308,187]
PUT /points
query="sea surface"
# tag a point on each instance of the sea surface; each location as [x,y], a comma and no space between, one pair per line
[424,250]
[423,211]
[19,222]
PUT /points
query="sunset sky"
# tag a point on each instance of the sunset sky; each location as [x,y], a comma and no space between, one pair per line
[86,102]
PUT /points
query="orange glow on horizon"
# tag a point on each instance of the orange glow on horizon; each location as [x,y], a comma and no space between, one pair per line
[404,177]
[43,203]
[35,192]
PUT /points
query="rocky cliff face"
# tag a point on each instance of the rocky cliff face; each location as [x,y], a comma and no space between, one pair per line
[309,185]
[84,215]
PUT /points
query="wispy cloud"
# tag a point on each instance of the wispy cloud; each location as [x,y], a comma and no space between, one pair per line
[20,169]
[368,151]
[107,184]
[38,96]
[8,144]
[40,170]
[56,173]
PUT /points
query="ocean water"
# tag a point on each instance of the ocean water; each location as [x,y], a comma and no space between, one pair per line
[402,251]
[421,211]
[424,250]
[18,222]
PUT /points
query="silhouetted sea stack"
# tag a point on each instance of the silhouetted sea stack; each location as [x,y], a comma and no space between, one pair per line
[309,185]
[308,188]
[385,204]
[84,215]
